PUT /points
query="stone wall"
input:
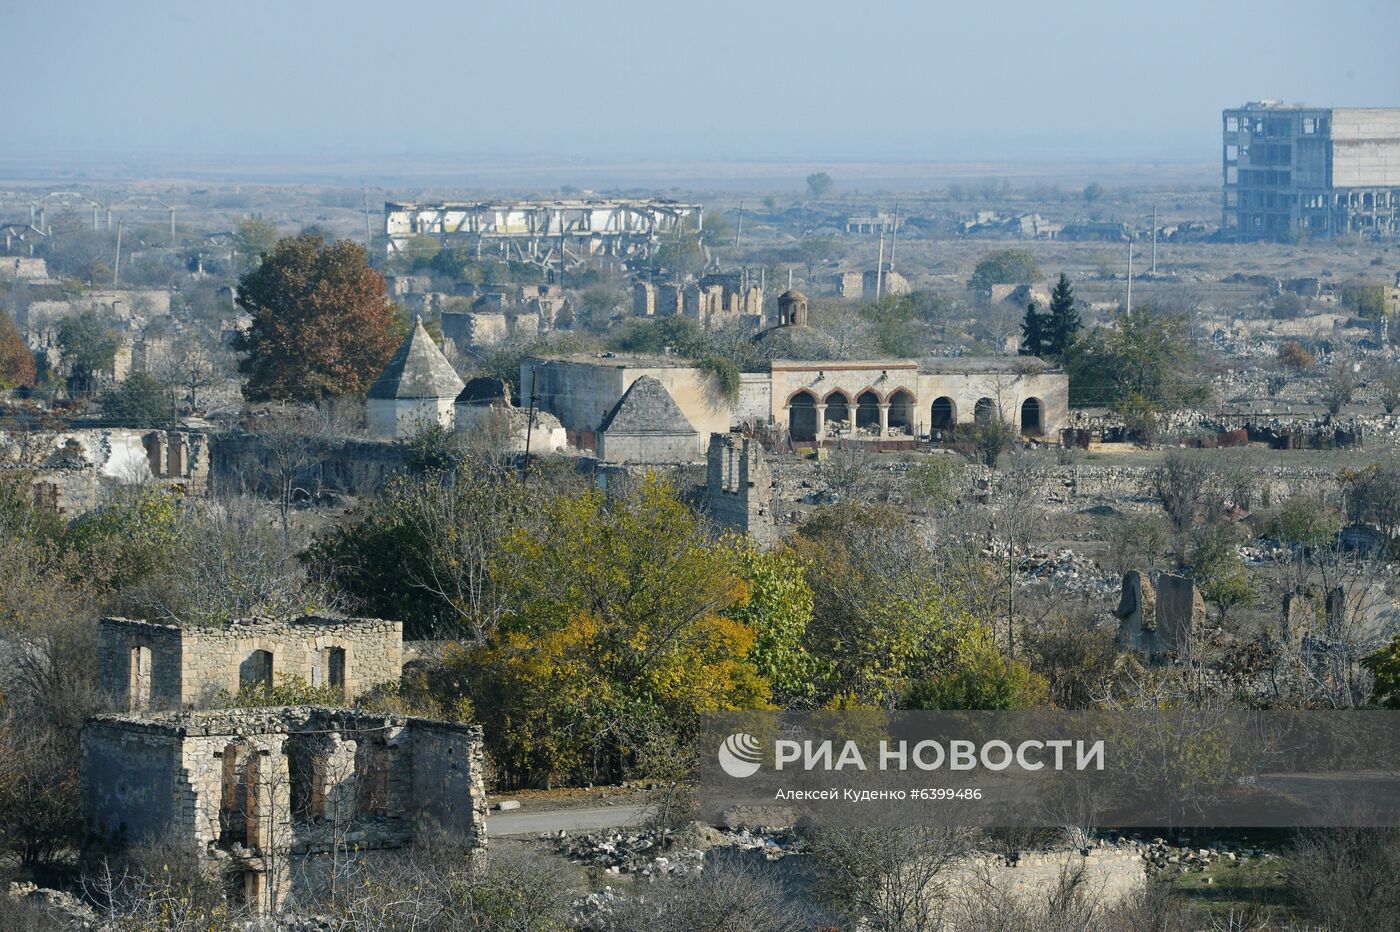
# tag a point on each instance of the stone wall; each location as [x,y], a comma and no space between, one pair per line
[245,462]
[188,667]
[739,487]
[270,792]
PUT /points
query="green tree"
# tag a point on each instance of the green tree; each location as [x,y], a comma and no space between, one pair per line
[1035,332]
[1366,299]
[87,346]
[16,360]
[981,678]
[322,322]
[1143,366]
[1215,563]
[1005,266]
[1064,324]
[1092,192]
[253,239]
[819,184]
[140,401]
[1384,665]
[778,610]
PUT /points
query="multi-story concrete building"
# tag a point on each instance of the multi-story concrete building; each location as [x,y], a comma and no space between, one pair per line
[1290,169]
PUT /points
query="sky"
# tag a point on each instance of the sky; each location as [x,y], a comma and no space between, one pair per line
[702,80]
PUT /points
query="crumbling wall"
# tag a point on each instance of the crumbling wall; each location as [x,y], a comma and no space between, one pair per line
[190,666]
[244,462]
[740,487]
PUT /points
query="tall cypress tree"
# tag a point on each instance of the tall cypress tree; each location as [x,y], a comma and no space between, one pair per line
[1034,331]
[1064,323]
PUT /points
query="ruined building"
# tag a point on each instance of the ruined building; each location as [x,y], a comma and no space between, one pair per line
[1289,168]
[278,799]
[538,231]
[740,487]
[142,665]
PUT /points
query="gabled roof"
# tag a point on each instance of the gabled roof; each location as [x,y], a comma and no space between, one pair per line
[418,370]
[646,408]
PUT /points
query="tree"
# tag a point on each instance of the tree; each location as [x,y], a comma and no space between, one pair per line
[1035,336]
[984,678]
[618,634]
[253,239]
[1065,323]
[87,347]
[1092,192]
[1366,299]
[322,323]
[1294,356]
[16,361]
[1005,266]
[1340,385]
[819,183]
[1144,366]
[139,401]
[812,251]
[1387,381]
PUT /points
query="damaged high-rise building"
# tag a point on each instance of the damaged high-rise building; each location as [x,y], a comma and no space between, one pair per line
[1290,169]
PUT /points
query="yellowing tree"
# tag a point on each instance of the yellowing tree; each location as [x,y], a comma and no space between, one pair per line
[619,637]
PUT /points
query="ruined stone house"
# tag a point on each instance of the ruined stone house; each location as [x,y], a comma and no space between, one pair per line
[647,426]
[277,799]
[144,665]
[739,486]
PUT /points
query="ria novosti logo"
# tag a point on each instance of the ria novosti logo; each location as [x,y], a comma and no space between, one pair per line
[739,755]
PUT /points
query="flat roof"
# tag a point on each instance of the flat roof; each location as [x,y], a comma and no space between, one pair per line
[621,360]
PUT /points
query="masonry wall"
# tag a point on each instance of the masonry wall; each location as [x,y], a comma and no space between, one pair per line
[245,462]
[614,447]
[132,782]
[190,666]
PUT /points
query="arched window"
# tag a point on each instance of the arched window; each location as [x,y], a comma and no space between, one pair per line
[868,410]
[1032,417]
[944,413]
[902,412]
[802,416]
[838,411]
[985,411]
[256,670]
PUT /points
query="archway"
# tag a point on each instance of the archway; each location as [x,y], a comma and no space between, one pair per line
[256,670]
[1032,417]
[868,410]
[985,411]
[902,412]
[802,416]
[944,414]
[838,411]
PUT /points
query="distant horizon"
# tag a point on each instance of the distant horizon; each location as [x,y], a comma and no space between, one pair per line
[326,82]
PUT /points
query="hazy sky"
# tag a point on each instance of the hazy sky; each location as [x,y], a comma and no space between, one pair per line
[703,79]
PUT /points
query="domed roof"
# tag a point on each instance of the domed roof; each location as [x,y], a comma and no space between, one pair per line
[792,294]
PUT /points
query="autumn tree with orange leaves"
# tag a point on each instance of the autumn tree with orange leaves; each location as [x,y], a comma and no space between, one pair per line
[16,361]
[322,322]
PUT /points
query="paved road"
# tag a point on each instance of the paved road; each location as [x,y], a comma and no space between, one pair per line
[526,822]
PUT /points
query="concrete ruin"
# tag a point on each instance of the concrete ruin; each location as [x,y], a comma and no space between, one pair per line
[647,426]
[1159,621]
[1289,169]
[278,799]
[739,487]
[416,390]
[148,666]
[543,231]
[484,407]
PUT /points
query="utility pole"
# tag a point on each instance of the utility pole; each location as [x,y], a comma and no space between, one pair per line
[880,264]
[117,265]
[739,227]
[894,234]
[1154,240]
[1129,306]
[369,237]
[172,226]
[529,427]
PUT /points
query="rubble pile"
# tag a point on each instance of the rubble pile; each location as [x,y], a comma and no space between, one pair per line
[1065,569]
[1164,856]
[662,853]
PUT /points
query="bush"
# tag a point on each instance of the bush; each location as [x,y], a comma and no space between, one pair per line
[983,678]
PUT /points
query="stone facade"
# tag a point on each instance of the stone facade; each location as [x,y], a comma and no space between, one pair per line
[277,796]
[142,665]
[646,426]
[740,487]
[1160,621]
[415,391]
